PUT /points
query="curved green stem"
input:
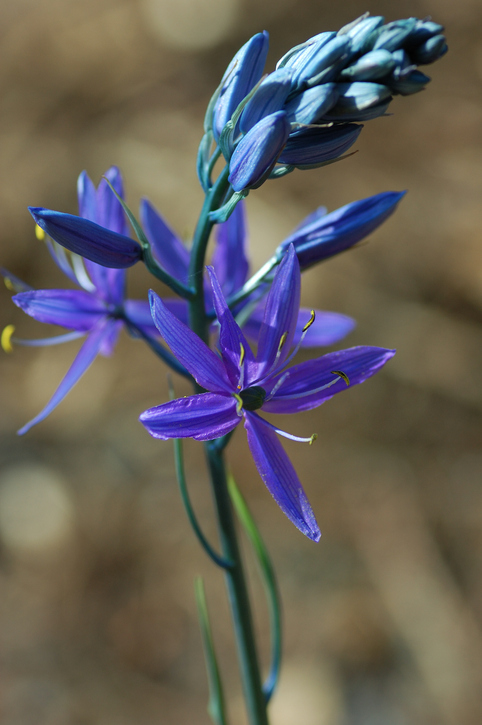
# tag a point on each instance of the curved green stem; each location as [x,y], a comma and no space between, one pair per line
[181,479]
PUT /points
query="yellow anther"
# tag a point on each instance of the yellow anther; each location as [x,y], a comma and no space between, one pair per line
[8,284]
[313,438]
[282,341]
[39,233]
[342,375]
[242,354]
[310,321]
[239,404]
[6,338]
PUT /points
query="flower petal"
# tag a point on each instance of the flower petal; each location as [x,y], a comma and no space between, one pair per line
[88,239]
[300,390]
[277,472]
[84,359]
[231,339]
[169,251]
[281,313]
[229,258]
[203,364]
[203,417]
[110,213]
[74,309]
[318,238]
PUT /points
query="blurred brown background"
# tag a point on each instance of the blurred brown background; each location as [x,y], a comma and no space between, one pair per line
[383,618]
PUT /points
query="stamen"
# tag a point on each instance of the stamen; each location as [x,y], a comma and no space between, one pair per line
[9,284]
[39,233]
[239,404]
[282,341]
[290,436]
[242,355]
[310,321]
[6,338]
[342,375]
[290,357]
[277,386]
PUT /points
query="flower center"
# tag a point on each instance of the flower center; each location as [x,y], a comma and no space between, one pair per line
[253,398]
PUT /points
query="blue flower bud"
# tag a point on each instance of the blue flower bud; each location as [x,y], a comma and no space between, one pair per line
[393,35]
[301,54]
[309,106]
[360,101]
[318,145]
[362,34]
[411,83]
[325,56]
[430,51]
[424,29]
[88,239]
[370,67]
[242,74]
[257,152]
[269,98]
[326,235]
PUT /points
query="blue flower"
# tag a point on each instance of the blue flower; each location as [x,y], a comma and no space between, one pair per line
[99,309]
[323,235]
[241,383]
[232,269]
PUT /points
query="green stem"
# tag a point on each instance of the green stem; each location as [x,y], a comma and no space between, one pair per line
[235,578]
[237,592]
[214,198]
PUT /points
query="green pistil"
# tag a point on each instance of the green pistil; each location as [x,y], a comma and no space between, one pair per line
[253,398]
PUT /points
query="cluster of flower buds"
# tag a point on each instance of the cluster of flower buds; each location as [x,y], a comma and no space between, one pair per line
[307,112]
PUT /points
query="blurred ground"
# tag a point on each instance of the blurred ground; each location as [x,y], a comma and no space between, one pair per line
[383,618]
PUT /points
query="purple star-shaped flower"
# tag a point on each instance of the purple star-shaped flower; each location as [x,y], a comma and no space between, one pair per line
[99,309]
[239,383]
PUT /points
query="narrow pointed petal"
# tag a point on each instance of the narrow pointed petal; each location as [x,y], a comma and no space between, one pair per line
[203,364]
[281,313]
[102,207]
[231,339]
[110,213]
[85,357]
[203,417]
[74,309]
[318,239]
[300,390]
[111,337]
[88,239]
[277,472]
[230,255]
[87,197]
[168,249]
